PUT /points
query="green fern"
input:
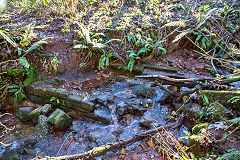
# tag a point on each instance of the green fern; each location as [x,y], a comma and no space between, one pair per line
[181,35]
[175,24]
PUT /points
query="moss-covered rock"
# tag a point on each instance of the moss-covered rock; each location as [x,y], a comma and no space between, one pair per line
[24,113]
[60,119]
[221,97]
[144,90]
[40,110]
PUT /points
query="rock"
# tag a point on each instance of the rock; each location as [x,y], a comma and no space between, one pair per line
[38,111]
[11,155]
[194,111]
[35,114]
[144,90]
[198,128]
[27,103]
[24,113]
[103,116]
[163,97]
[102,135]
[160,68]
[146,123]
[76,102]
[221,97]
[105,98]
[122,104]
[137,109]
[60,119]
[46,108]
[42,129]
[217,111]
[200,143]
[137,69]
[120,111]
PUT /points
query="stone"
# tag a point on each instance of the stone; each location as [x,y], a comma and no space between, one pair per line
[46,108]
[221,97]
[137,109]
[102,135]
[42,129]
[163,97]
[10,155]
[24,113]
[103,116]
[60,119]
[77,102]
[120,111]
[144,90]
[40,110]
[35,114]
[194,111]
[146,123]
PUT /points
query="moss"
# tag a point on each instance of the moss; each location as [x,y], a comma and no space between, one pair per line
[198,128]
[16,72]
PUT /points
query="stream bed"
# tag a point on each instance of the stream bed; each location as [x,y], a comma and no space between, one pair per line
[122,109]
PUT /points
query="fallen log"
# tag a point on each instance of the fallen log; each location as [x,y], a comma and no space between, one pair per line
[174,79]
[98,151]
[230,80]
[192,82]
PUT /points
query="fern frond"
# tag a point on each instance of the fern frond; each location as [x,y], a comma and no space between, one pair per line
[175,24]
[181,35]
[8,39]
[36,45]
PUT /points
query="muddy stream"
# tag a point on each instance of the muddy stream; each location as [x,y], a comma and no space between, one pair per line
[124,107]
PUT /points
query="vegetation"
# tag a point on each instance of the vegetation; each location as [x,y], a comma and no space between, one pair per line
[124,33]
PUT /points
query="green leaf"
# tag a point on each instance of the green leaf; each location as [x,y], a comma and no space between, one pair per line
[235,120]
[31,77]
[8,39]
[163,50]
[175,23]
[80,46]
[142,50]
[23,61]
[206,99]
[181,35]
[198,37]
[36,45]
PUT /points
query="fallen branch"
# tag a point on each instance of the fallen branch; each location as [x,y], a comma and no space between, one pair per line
[174,79]
[230,80]
[98,151]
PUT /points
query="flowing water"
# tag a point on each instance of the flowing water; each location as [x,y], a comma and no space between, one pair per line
[117,101]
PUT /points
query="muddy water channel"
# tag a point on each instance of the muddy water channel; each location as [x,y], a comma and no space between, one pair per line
[116,111]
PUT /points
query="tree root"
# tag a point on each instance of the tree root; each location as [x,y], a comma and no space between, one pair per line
[98,151]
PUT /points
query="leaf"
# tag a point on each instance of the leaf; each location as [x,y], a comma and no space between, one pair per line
[98,45]
[112,40]
[205,99]
[80,46]
[23,61]
[203,44]
[181,35]
[142,50]
[175,23]
[198,37]
[235,120]
[31,77]
[36,45]
[8,39]
[163,50]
